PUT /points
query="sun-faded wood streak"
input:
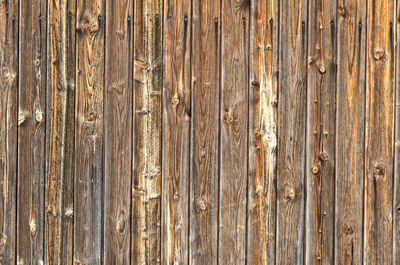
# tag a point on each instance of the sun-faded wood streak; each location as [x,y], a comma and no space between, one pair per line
[8,127]
[89,131]
[32,133]
[233,140]
[350,125]
[60,132]
[176,132]
[118,132]
[148,58]
[321,107]
[292,124]
[263,96]
[379,134]
[205,132]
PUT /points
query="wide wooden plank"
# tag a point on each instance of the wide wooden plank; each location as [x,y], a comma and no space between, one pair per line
[234,132]
[321,111]
[350,136]
[8,128]
[32,132]
[379,142]
[263,113]
[148,50]
[204,170]
[89,131]
[118,132]
[60,132]
[291,131]
[176,132]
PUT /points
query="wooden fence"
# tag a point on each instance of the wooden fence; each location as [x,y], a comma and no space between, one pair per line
[199,132]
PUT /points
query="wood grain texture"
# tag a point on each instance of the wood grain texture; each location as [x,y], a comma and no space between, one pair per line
[234,132]
[176,132]
[396,183]
[350,135]
[148,52]
[204,170]
[379,134]
[89,132]
[32,133]
[118,132]
[9,20]
[292,128]
[263,123]
[321,114]
[60,136]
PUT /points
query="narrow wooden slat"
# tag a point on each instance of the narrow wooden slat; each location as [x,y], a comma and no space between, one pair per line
[8,128]
[396,200]
[89,131]
[176,132]
[148,50]
[263,96]
[233,145]
[204,133]
[292,124]
[60,136]
[350,136]
[379,142]
[32,132]
[321,106]
[118,132]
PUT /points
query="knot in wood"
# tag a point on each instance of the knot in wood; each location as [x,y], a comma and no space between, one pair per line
[321,69]
[175,100]
[228,117]
[323,156]
[348,230]
[39,116]
[258,133]
[342,11]
[291,194]
[379,54]
[120,226]
[92,115]
[255,83]
[379,170]
[201,204]
[315,170]
[32,228]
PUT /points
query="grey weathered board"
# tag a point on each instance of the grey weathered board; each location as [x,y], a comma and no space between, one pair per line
[199,132]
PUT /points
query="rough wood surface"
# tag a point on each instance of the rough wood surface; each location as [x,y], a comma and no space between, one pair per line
[263,110]
[204,170]
[321,114]
[291,132]
[379,134]
[60,132]
[396,183]
[176,132]
[234,129]
[32,133]
[8,128]
[350,131]
[118,132]
[89,131]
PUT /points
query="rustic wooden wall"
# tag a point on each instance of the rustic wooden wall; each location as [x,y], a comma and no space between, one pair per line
[199,132]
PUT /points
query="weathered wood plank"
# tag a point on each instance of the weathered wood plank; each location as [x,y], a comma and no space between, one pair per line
[234,132]
[32,132]
[321,111]
[118,132]
[379,142]
[148,52]
[350,135]
[8,128]
[291,131]
[89,132]
[60,136]
[205,133]
[263,96]
[396,194]
[176,132]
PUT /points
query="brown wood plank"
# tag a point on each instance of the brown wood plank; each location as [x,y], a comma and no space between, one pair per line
[176,132]
[89,131]
[321,106]
[8,128]
[32,132]
[118,132]
[263,96]
[148,52]
[60,136]
[205,132]
[291,132]
[234,132]
[379,142]
[396,200]
[350,136]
